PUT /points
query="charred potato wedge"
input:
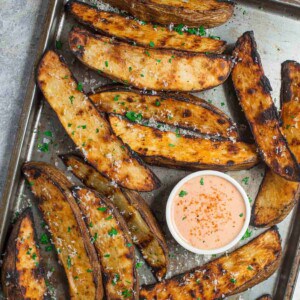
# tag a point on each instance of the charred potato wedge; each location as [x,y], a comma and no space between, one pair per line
[168,149]
[181,110]
[143,228]
[265,297]
[68,230]
[194,13]
[253,91]
[151,69]
[228,275]
[109,234]
[277,196]
[22,276]
[142,34]
[88,129]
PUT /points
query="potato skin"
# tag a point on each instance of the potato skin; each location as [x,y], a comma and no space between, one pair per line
[194,13]
[277,196]
[132,31]
[186,111]
[248,266]
[143,227]
[164,148]
[150,69]
[253,91]
[69,233]
[22,275]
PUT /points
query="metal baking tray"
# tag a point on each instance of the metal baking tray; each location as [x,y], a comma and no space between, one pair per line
[276,26]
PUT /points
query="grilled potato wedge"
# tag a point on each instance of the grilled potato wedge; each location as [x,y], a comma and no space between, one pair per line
[253,91]
[114,246]
[277,196]
[151,69]
[230,274]
[208,13]
[90,130]
[181,110]
[22,276]
[184,152]
[143,228]
[265,297]
[68,230]
[133,31]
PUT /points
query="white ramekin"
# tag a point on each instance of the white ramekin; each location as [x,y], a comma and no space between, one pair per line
[173,230]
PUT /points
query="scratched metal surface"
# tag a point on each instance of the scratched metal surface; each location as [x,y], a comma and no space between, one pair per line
[276,26]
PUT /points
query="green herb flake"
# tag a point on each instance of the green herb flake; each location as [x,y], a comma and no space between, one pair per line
[48,248]
[138,264]
[184,218]
[44,239]
[91,224]
[116,98]
[127,294]
[129,245]
[202,181]
[247,234]
[157,103]
[130,69]
[109,218]
[171,145]
[102,208]
[44,147]
[89,270]
[151,44]
[115,279]
[58,45]
[112,232]
[250,268]
[245,180]
[71,98]
[94,238]
[182,193]
[69,262]
[48,133]
[132,116]
[233,280]
[106,255]
[241,215]
[69,124]
[97,130]
[106,64]
[79,87]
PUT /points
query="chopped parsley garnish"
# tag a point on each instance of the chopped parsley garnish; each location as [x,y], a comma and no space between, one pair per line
[147,53]
[142,75]
[184,218]
[106,255]
[116,279]
[89,270]
[112,232]
[132,116]
[158,60]
[245,180]
[171,145]
[58,45]
[82,126]
[247,234]
[48,248]
[198,281]
[102,208]
[106,64]
[177,133]
[34,256]
[157,103]
[130,69]
[233,280]
[151,44]
[91,225]
[138,264]
[44,147]
[69,124]
[94,238]
[44,239]
[48,133]
[214,37]
[250,268]
[222,103]
[127,294]
[202,181]
[129,245]
[109,218]
[241,215]
[69,262]
[69,229]
[71,98]
[182,193]
[79,87]
[97,130]
[116,98]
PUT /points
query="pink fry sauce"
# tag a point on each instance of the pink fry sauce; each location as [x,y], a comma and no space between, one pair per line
[208,212]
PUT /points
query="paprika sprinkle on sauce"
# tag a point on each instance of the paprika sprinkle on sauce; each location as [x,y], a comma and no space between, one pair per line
[208,212]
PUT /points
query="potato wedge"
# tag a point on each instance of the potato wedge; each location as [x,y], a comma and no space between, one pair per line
[166,148]
[68,230]
[277,196]
[90,130]
[253,91]
[151,69]
[208,13]
[143,228]
[228,275]
[181,110]
[113,244]
[133,31]
[21,274]
[265,297]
